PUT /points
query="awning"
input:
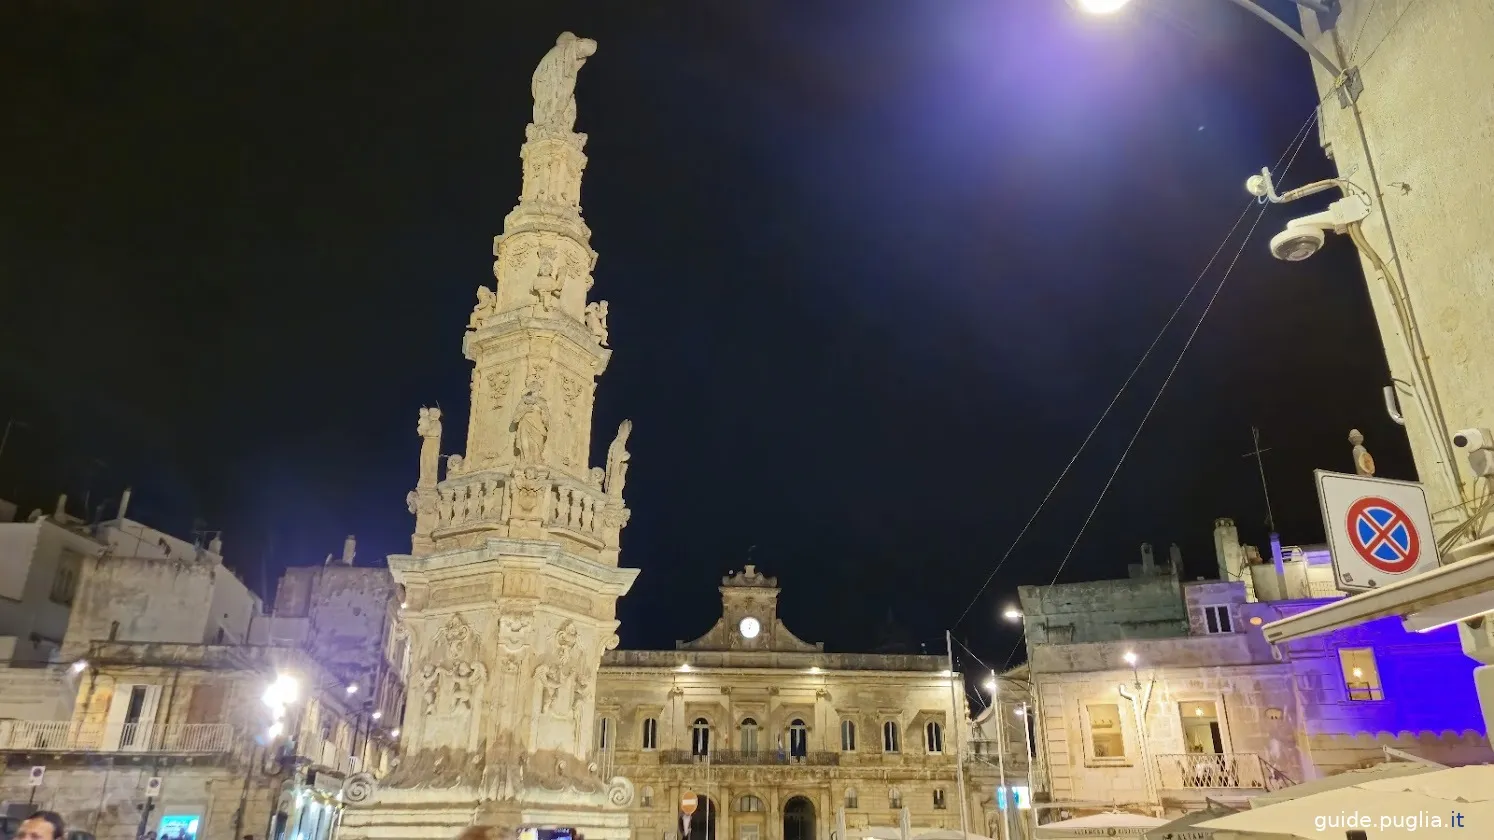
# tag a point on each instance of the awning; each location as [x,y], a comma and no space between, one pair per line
[1114,824]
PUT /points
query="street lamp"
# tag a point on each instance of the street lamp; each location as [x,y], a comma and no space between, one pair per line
[1345,79]
[1012,613]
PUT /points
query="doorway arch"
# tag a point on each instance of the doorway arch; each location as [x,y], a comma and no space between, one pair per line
[798,819]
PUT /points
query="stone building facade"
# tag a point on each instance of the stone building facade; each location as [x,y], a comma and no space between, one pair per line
[772,735]
[1156,693]
[166,664]
[1421,163]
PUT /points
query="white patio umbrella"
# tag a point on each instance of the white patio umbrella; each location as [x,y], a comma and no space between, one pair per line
[1388,770]
[1114,824]
[947,834]
[1417,806]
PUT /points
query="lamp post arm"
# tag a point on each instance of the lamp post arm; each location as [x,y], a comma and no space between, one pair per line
[1282,27]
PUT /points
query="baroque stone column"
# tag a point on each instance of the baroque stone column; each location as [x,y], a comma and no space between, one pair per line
[512,581]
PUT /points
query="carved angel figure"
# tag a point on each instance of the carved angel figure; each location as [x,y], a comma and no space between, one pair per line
[617,460]
[453,465]
[531,428]
[429,428]
[550,679]
[410,500]
[596,320]
[429,424]
[554,82]
[548,279]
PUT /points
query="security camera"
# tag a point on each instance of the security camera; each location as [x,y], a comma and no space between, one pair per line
[1305,236]
[1473,439]
[1480,446]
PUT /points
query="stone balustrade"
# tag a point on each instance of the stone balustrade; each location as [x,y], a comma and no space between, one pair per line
[754,758]
[488,498]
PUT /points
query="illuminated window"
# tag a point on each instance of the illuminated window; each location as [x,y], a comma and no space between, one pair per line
[650,734]
[848,736]
[748,743]
[938,799]
[890,742]
[1201,730]
[1106,738]
[700,737]
[851,801]
[1216,619]
[933,737]
[1361,675]
[798,739]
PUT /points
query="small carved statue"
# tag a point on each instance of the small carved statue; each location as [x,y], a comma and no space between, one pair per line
[430,677]
[548,280]
[550,679]
[454,465]
[411,498]
[1364,464]
[596,320]
[429,428]
[465,681]
[617,460]
[485,301]
[554,83]
[531,428]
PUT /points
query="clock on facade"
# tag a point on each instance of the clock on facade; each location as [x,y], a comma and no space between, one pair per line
[749,627]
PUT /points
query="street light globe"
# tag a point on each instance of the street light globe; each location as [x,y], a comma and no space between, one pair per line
[1130,658]
[1099,7]
[275,729]
[1020,711]
[352,688]
[990,685]
[1012,614]
[282,692]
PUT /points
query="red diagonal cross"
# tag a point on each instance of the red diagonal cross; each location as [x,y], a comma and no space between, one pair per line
[1382,535]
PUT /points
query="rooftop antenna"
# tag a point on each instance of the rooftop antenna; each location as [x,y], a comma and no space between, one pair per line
[1260,465]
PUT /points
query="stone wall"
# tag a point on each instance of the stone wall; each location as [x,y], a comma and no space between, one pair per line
[106,800]
[140,601]
[1095,611]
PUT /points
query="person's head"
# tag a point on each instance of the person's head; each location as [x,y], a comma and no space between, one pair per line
[42,825]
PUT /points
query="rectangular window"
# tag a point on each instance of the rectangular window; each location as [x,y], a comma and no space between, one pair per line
[1106,737]
[650,734]
[848,736]
[604,733]
[938,799]
[1202,734]
[1216,619]
[1361,675]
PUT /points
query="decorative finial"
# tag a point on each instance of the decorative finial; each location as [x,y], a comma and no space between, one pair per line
[1364,464]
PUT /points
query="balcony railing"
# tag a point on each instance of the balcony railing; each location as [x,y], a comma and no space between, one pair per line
[1208,770]
[757,758]
[67,736]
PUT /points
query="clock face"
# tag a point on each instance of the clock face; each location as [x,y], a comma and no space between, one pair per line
[749,628]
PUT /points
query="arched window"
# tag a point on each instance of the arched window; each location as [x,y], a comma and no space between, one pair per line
[798,739]
[938,799]
[890,741]
[650,733]
[700,737]
[851,803]
[933,737]
[646,796]
[748,743]
[848,735]
[894,798]
[749,804]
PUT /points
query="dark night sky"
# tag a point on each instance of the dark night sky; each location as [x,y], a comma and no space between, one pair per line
[874,269]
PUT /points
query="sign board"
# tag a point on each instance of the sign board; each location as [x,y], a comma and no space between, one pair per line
[688,804]
[152,787]
[1379,530]
[37,773]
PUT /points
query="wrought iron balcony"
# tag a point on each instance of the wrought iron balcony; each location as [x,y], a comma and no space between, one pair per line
[1210,770]
[158,738]
[753,758]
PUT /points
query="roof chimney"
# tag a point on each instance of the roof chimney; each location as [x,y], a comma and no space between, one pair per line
[1148,563]
[124,503]
[61,510]
[1175,559]
[349,550]
[215,545]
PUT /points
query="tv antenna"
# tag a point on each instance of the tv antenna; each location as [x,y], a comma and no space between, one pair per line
[1260,465]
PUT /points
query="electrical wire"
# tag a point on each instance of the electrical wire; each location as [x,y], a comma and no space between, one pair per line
[1292,148]
[1296,147]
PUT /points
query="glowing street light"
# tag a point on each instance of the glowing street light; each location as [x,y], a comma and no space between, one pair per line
[352,688]
[79,666]
[394,733]
[377,715]
[1130,658]
[275,729]
[282,692]
[1100,7]
[1012,614]
[990,685]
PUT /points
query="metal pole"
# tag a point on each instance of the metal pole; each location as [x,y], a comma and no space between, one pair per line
[1280,26]
[1006,797]
[956,720]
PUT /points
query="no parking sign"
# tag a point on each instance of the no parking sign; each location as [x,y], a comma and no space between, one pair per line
[1379,531]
